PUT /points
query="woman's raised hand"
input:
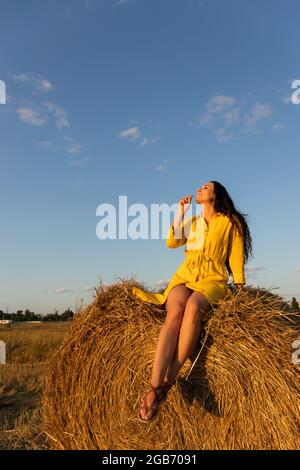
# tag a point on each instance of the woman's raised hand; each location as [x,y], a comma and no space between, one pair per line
[183,206]
[185,203]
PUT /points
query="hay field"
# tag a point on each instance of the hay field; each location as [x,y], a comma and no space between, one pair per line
[76,385]
[29,350]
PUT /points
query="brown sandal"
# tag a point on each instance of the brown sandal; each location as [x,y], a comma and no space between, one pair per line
[155,403]
[167,385]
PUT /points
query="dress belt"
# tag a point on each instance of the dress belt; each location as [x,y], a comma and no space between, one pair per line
[197,259]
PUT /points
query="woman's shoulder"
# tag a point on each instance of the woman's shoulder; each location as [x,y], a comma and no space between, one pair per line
[232,220]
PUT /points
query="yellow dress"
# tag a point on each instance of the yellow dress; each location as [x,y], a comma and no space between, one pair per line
[207,246]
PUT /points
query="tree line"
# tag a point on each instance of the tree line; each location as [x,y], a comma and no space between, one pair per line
[27,315]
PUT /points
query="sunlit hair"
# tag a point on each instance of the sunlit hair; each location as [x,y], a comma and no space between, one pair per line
[224,204]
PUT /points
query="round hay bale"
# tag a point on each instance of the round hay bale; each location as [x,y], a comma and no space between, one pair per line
[239,389]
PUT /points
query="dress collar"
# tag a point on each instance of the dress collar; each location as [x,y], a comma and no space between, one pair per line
[213,217]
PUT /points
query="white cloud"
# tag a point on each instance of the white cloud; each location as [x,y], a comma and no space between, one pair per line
[134,133]
[61,290]
[231,117]
[225,112]
[257,113]
[219,106]
[219,103]
[162,283]
[131,134]
[36,80]
[59,114]
[31,116]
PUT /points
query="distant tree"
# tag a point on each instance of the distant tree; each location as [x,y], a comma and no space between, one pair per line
[27,315]
[20,316]
[67,315]
[30,316]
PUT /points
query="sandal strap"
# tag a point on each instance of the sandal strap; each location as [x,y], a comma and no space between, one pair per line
[155,389]
[155,403]
[165,387]
[169,384]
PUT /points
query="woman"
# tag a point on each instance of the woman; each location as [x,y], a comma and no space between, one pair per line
[217,239]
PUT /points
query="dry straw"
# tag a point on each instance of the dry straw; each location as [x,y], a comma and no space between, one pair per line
[241,392]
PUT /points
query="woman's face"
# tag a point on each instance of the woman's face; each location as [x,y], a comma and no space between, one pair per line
[205,193]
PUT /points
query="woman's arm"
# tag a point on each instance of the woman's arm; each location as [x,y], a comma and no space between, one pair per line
[236,255]
[176,236]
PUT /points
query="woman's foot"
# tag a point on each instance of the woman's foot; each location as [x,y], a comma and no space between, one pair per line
[149,402]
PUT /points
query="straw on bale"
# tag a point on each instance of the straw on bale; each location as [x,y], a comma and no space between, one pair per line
[239,389]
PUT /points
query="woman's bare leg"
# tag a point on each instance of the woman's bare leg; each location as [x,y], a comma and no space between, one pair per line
[196,309]
[167,340]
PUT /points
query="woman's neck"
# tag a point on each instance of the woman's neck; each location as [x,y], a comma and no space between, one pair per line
[208,213]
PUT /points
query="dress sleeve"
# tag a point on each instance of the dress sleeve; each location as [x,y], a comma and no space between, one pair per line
[174,241]
[236,255]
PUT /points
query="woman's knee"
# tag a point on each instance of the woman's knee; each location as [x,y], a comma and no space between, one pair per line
[175,313]
[197,307]
[176,303]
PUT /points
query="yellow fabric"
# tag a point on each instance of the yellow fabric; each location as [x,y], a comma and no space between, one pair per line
[207,247]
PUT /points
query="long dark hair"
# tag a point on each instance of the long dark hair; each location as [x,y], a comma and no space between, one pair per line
[223,203]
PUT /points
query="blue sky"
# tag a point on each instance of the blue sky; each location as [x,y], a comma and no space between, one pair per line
[148,99]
